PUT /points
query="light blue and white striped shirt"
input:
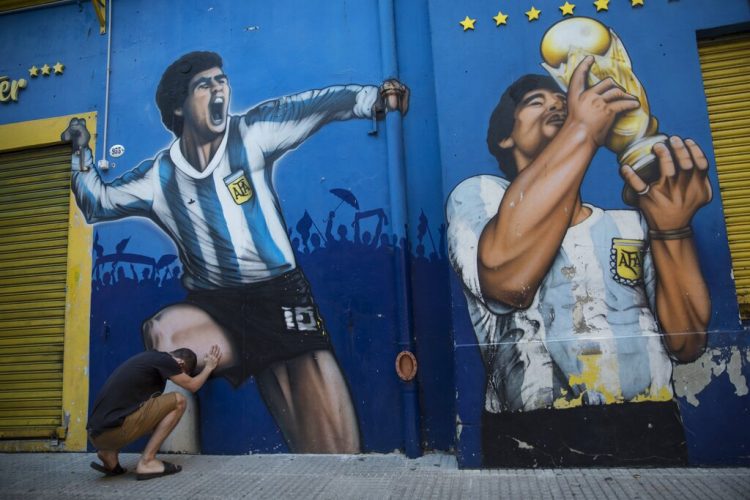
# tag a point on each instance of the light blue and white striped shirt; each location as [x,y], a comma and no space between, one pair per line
[589,337]
[226,220]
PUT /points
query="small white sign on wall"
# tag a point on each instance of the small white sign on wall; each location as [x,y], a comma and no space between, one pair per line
[117,151]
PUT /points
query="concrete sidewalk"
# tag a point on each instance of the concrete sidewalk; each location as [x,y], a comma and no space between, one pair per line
[67,475]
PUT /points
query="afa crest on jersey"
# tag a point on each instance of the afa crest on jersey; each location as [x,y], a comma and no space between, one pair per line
[239,187]
[626,261]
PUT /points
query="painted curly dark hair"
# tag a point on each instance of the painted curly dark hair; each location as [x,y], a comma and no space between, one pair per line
[503,118]
[173,86]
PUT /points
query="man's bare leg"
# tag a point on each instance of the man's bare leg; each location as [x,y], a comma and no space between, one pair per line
[310,401]
[148,462]
[109,458]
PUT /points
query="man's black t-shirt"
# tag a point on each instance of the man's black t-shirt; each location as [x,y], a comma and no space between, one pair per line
[130,385]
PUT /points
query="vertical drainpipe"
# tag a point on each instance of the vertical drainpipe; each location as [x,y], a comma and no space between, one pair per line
[397,188]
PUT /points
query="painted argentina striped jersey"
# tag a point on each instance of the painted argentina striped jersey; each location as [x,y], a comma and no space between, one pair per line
[590,336]
[226,220]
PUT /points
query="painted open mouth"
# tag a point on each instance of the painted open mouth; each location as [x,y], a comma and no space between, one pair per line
[216,110]
[556,120]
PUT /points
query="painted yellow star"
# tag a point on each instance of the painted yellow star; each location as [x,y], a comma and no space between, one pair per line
[468,23]
[567,9]
[59,67]
[500,18]
[34,71]
[533,13]
[633,3]
[45,70]
[601,5]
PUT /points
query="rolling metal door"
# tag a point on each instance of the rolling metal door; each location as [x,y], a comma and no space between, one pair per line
[725,63]
[34,204]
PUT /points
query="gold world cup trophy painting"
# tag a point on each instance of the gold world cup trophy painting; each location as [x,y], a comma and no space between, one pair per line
[635,132]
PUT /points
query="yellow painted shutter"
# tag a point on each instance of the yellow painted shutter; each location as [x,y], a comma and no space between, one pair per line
[725,63]
[34,203]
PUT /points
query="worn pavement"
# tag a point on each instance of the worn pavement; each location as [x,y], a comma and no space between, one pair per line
[68,475]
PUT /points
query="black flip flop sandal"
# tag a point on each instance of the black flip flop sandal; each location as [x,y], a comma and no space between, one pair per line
[118,470]
[169,469]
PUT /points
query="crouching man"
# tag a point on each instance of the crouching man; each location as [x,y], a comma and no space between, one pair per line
[131,405]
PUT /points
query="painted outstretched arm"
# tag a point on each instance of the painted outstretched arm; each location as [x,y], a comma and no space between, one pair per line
[683,304]
[282,124]
[520,242]
[128,195]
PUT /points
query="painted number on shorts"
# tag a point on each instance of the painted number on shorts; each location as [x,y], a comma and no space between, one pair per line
[301,319]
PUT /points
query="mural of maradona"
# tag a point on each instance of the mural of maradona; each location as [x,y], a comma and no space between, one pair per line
[579,312]
[211,192]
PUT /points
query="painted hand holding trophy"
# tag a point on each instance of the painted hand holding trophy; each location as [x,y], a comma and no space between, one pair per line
[635,132]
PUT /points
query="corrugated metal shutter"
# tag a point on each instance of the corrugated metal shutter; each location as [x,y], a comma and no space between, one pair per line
[34,203]
[725,63]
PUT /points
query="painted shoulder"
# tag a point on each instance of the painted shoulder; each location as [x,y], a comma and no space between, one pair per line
[475,191]
[142,170]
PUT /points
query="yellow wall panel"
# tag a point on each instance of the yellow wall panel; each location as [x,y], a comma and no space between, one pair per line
[39,384]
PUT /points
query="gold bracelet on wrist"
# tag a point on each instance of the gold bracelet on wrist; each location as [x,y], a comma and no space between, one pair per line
[671,234]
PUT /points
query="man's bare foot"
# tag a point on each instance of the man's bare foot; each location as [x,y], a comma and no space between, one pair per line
[149,466]
[167,469]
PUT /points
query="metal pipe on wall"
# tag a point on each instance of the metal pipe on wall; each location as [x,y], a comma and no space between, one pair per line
[106,85]
[399,217]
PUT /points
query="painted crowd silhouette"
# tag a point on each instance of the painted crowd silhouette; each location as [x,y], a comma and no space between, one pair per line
[125,270]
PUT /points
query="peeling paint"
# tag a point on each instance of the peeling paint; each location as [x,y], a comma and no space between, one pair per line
[692,378]
[734,370]
[591,380]
[523,445]
[579,317]
[568,271]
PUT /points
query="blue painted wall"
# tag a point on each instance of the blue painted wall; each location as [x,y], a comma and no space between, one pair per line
[25,41]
